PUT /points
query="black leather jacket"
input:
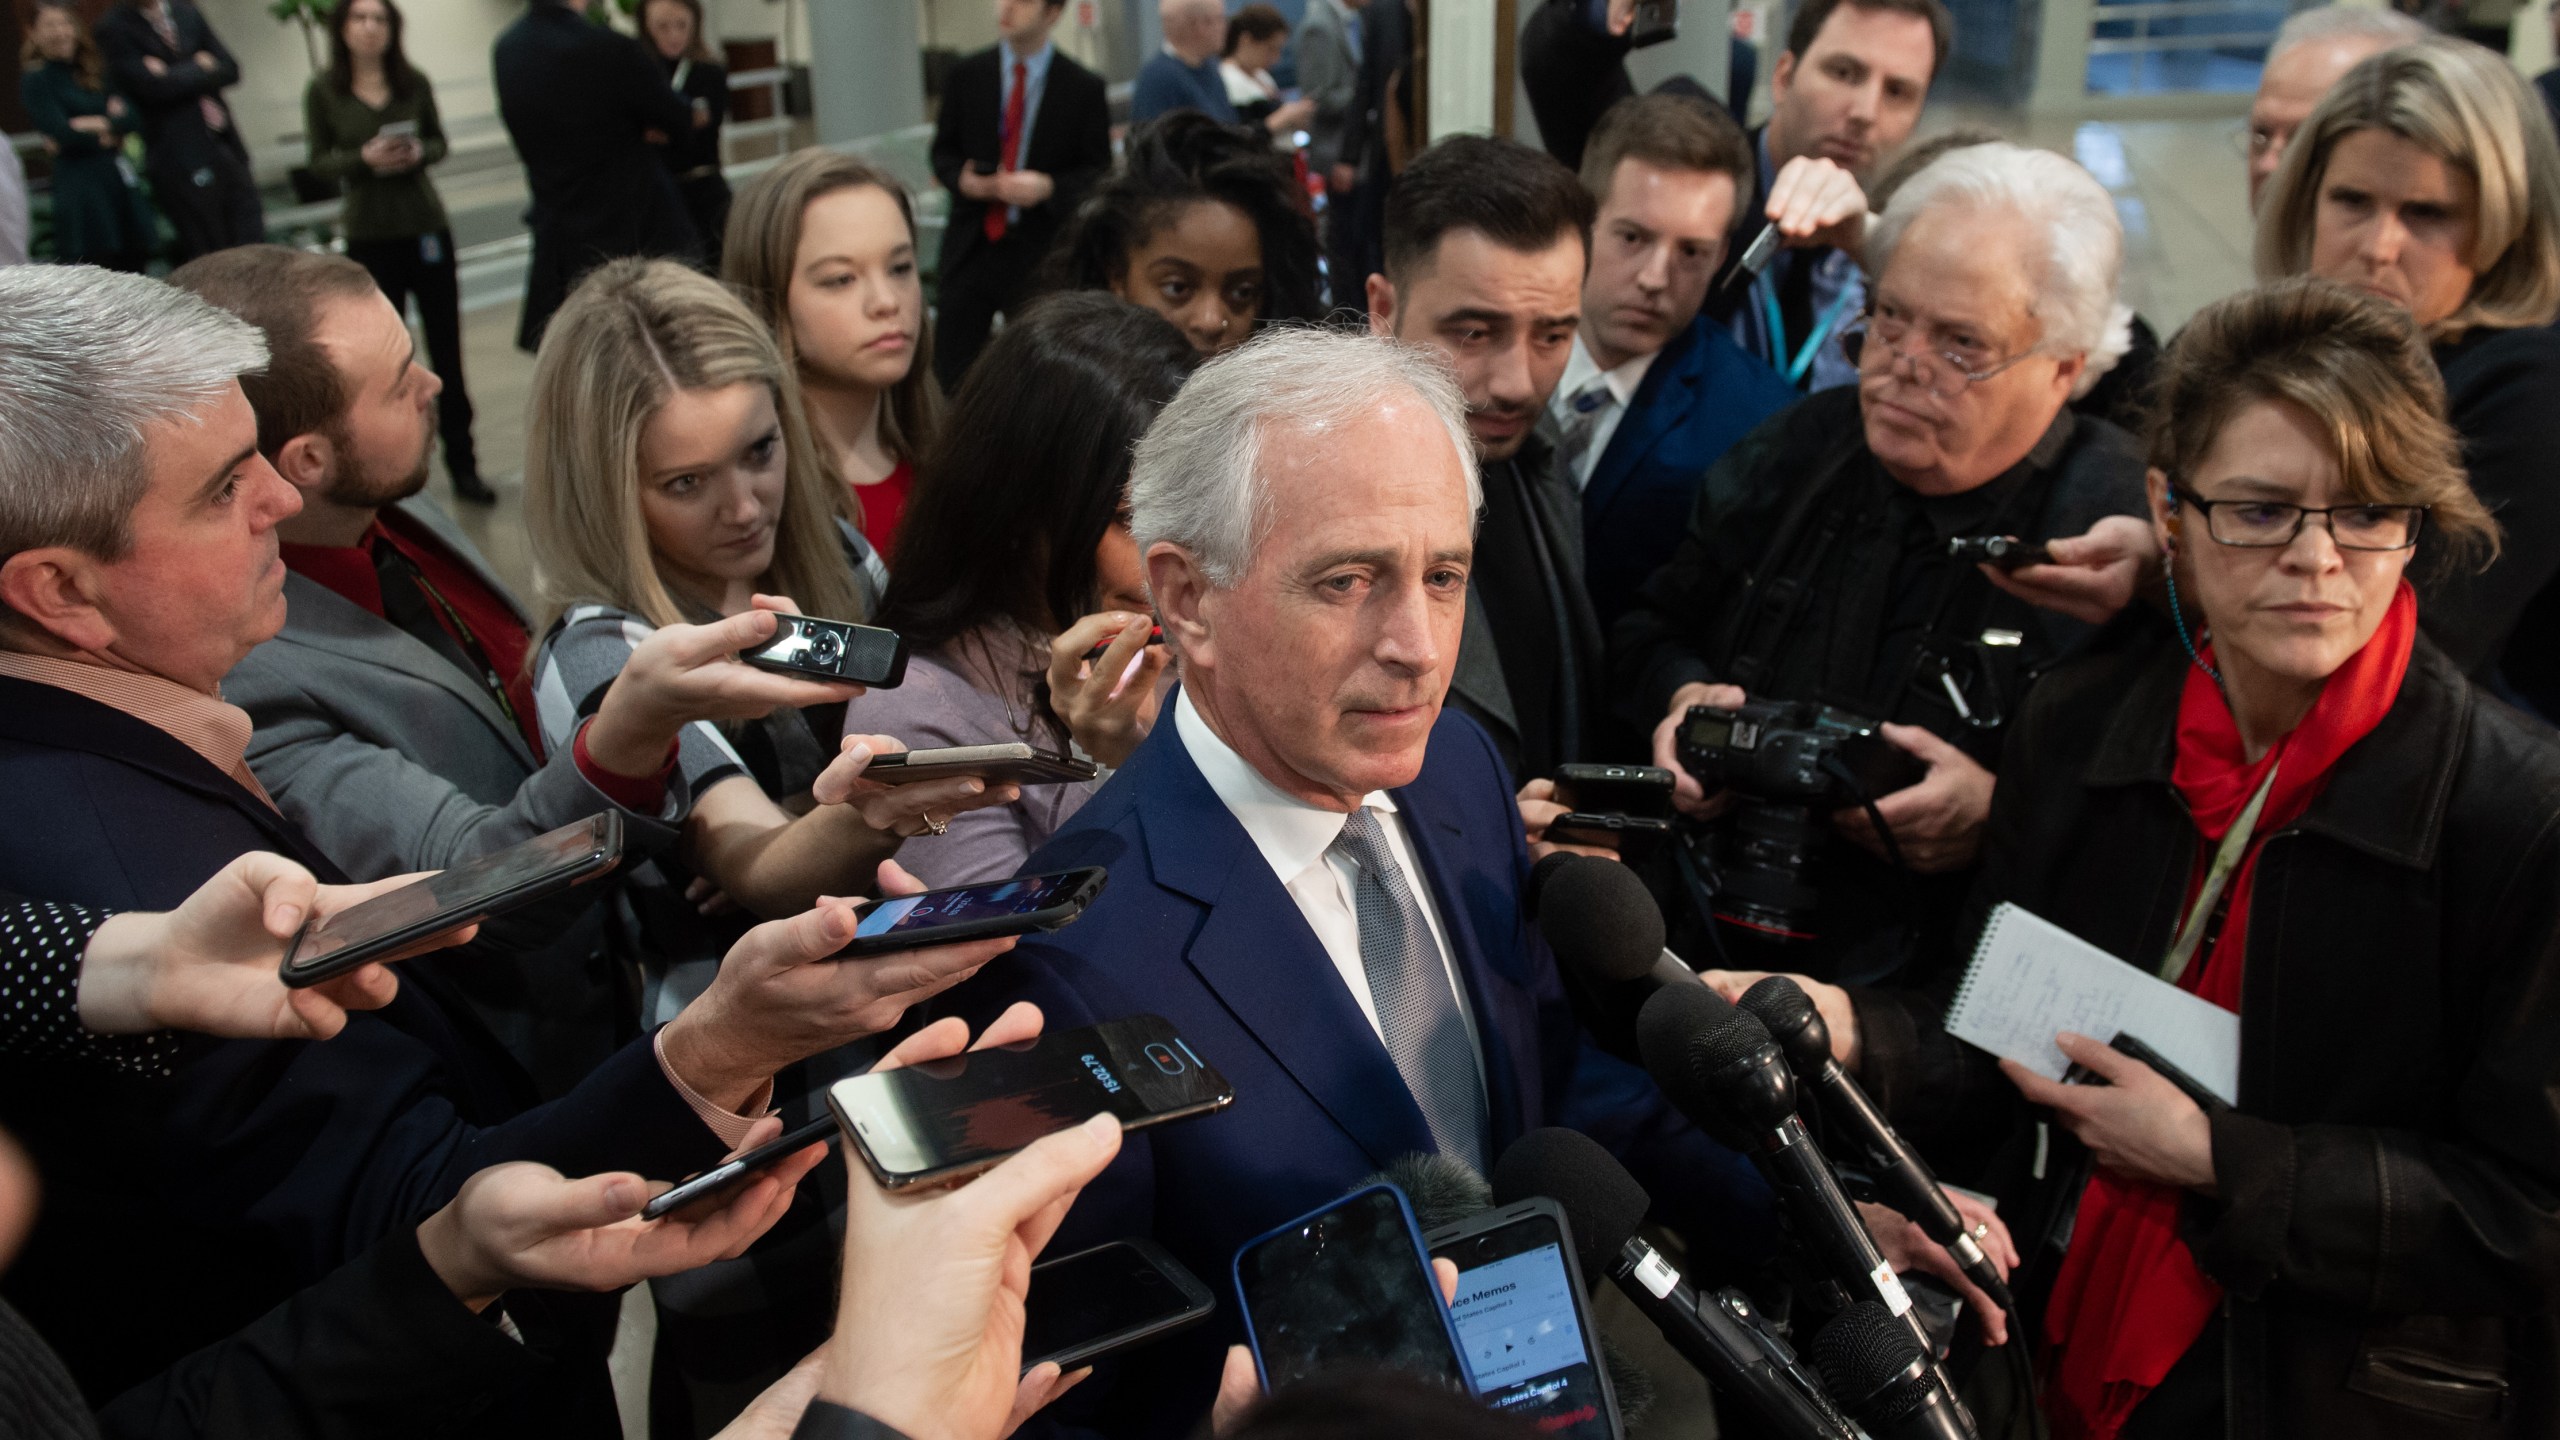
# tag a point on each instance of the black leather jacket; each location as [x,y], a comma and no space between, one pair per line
[2387,1222]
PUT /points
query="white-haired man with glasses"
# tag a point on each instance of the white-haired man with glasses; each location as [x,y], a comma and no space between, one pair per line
[1816,565]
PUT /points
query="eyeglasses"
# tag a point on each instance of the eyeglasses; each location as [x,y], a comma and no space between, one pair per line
[1943,370]
[2270,524]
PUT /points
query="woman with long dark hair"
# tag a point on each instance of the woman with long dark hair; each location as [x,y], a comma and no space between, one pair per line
[1016,562]
[370,123]
[99,214]
[1202,223]
[674,32]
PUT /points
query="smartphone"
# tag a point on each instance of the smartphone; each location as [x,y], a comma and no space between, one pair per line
[2008,552]
[1634,837]
[1655,22]
[448,900]
[403,130]
[2132,1045]
[1110,1298]
[1155,636]
[833,650]
[1524,1320]
[1348,1285]
[730,1174]
[943,1119]
[973,912]
[996,764]
[1626,789]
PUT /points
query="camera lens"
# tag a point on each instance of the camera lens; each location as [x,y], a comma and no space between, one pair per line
[1768,887]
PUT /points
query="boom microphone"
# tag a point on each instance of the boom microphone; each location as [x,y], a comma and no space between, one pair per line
[1603,1205]
[1442,1189]
[1781,1005]
[1870,1363]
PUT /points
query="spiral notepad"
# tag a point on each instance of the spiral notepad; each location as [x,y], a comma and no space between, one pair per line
[2030,978]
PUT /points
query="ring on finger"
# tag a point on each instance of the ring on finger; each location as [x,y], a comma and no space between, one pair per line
[938,827]
[1982,1231]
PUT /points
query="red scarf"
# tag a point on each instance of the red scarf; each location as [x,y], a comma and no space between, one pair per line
[2130,1299]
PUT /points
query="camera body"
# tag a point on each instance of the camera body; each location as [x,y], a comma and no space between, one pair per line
[1789,764]
[1793,752]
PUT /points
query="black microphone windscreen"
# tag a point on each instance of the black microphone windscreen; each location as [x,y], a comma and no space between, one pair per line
[1870,1362]
[1598,917]
[1779,1004]
[1539,874]
[1601,1201]
[1442,1189]
[1687,1033]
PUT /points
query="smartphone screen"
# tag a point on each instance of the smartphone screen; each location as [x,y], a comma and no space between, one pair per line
[954,1115]
[457,896]
[1347,1286]
[1521,1327]
[1084,1304]
[1028,895]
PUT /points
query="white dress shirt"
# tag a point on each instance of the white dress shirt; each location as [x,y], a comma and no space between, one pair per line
[1295,839]
[1621,383]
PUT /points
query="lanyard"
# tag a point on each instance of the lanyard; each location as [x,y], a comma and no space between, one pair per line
[1822,327]
[2225,861]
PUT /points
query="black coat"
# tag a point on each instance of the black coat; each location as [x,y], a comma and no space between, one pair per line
[98,210]
[2387,1227]
[577,100]
[2502,388]
[175,138]
[1573,74]
[202,1201]
[1070,143]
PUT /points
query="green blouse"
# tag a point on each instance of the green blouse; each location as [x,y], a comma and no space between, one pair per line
[336,126]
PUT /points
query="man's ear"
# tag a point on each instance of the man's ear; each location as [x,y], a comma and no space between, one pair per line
[52,591]
[305,462]
[1181,593]
[1382,306]
[1782,75]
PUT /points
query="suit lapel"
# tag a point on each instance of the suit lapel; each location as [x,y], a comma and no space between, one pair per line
[431,517]
[322,619]
[1255,952]
[1669,392]
[1047,123]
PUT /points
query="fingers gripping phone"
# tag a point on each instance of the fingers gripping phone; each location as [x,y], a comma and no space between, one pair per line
[943,1119]
[1524,1320]
[973,912]
[832,650]
[1347,1286]
[731,1174]
[1110,1298]
[464,895]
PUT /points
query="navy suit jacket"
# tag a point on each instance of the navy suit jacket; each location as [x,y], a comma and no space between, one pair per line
[1701,395]
[179,1210]
[1195,927]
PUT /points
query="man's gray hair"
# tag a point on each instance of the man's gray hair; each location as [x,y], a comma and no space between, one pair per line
[1197,479]
[2083,241]
[89,360]
[2386,28]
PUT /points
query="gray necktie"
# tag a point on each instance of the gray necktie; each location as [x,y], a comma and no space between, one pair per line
[1417,1009]
[1582,420]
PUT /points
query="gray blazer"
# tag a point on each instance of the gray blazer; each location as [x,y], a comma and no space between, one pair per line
[1328,74]
[392,760]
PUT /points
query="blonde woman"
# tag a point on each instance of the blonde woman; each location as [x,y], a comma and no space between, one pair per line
[670,478]
[823,246]
[2430,177]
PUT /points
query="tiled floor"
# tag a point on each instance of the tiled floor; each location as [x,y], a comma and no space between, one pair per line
[2181,193]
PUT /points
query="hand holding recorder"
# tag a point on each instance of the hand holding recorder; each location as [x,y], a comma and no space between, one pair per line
[1106,676]
[684,673]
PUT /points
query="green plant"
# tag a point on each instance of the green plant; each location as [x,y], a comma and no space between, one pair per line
[312,16]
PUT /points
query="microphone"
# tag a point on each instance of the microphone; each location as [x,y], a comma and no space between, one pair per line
[1442,1189]
[1781,1005]
[1603,1205]
[1721,1069]
[1872,1365]
[1598,918]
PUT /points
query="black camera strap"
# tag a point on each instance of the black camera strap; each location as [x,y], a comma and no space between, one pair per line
[1778,596]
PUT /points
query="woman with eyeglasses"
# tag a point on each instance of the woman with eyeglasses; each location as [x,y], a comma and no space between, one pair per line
[2294,806]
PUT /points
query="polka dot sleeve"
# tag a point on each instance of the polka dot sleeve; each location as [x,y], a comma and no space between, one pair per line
[40,948]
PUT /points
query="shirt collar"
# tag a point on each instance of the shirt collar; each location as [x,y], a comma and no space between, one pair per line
[216,730]
[1035,66]
[346,570]
[1291,834]
[1624,380]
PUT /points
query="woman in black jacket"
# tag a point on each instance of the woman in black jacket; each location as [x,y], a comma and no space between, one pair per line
[2430,176]
[692,156]
[99,214]
[2369,1243]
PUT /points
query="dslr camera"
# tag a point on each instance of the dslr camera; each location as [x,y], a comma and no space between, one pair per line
[1789,764]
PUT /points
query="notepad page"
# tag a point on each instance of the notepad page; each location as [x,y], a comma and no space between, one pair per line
[2031,978]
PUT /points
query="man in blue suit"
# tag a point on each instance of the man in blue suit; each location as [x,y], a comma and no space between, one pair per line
[1316,873]
[1654,393]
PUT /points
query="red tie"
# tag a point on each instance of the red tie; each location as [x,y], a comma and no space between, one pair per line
[1012,157]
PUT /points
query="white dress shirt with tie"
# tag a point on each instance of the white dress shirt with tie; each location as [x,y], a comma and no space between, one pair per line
[1588,404]
[1035,74]
[1295,839]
